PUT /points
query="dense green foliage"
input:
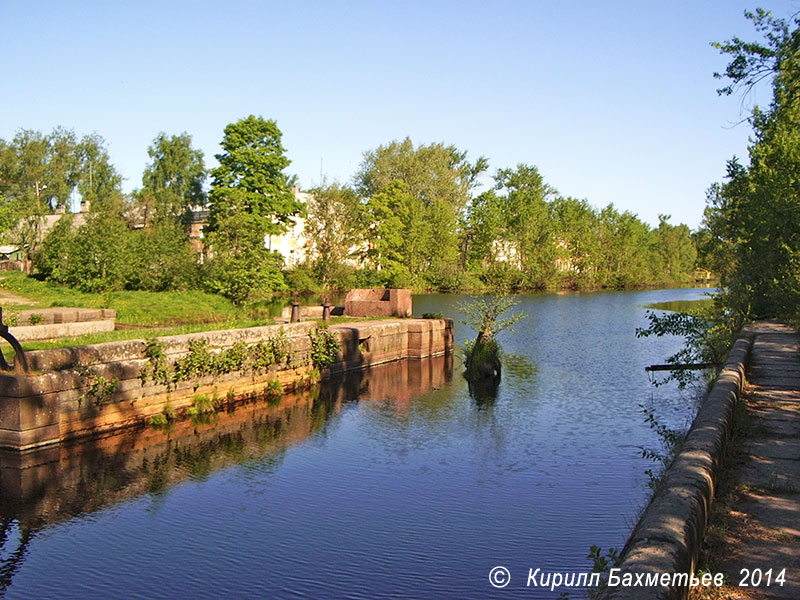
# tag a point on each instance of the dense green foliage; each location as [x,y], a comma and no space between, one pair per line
[334,229]
[157,258]
[202,361]
[324,346]
[415,199]
[414,217]
[250,199]
[250,177]
[39,173]
[752,223]
[240,266]
[751,228]
[173,182]
[518,235]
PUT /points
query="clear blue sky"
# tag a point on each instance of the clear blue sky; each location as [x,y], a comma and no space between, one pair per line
[613,101]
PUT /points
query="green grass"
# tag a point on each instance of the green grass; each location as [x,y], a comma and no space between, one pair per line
[133,307]
[134,334]
[687,306]
[151,314]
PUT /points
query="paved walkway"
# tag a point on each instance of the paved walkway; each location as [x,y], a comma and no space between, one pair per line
[762,528]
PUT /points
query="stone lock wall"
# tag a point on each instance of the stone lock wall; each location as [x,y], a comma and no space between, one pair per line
[378,303]
[49,323]
[55,403]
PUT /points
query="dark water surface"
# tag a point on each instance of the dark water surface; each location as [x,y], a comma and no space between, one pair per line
[396,483]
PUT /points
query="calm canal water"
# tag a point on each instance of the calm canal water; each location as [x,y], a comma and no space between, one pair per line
[397,483]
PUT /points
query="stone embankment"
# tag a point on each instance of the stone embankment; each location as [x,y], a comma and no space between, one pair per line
[50,323]
[82,391]
[669,533]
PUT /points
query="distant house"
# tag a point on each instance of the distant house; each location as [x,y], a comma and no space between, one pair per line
[291,244]
[11,258]
[702,275]
[49,221]
[566,262]
[506,251]
[10,253]
[197,219]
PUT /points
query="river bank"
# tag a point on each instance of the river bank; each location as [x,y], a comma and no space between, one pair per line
[80,391]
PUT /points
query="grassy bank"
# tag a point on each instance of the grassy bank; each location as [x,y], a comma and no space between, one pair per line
[133,307]
[139,314]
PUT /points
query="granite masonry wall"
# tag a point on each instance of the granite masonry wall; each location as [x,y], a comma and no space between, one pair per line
[82,391]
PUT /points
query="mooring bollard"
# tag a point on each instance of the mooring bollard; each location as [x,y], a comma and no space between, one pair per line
[326,312]
[20,360]
[295,312]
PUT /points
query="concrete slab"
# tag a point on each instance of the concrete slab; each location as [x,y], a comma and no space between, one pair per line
[773,447]
[775,422]
[774,474]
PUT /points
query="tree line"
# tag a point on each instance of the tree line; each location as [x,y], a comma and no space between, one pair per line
[412,216]
[751,228]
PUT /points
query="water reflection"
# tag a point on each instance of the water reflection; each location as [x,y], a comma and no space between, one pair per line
[414,491]
[484,390]
[57,483]
[519,372]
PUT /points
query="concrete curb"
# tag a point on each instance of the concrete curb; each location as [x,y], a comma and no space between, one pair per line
[669,533]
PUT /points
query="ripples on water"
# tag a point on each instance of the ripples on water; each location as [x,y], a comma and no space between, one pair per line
[415,490]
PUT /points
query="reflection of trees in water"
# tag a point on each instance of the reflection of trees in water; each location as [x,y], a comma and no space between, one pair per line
[520,367]
[519,379]
[60,482]
[484,391]
[520,373]
[10,562]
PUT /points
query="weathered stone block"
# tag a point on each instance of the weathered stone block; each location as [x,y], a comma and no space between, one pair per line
[378,303]
[54,404]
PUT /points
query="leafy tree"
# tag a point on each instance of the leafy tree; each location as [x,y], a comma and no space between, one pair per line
[99,183]
[755,214]
[676,250]
[575,226]
[510,230]
[714,244]
[431,173]
[250,198]
[440,179]
[484,225]
[335,232]
[528,224]
[38,172]
[57,250]
[162,258]
[386,211]
[627,250]
[97,258]
[778,57]
[173,181]
[241,268]
[250,178]
[485,314]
